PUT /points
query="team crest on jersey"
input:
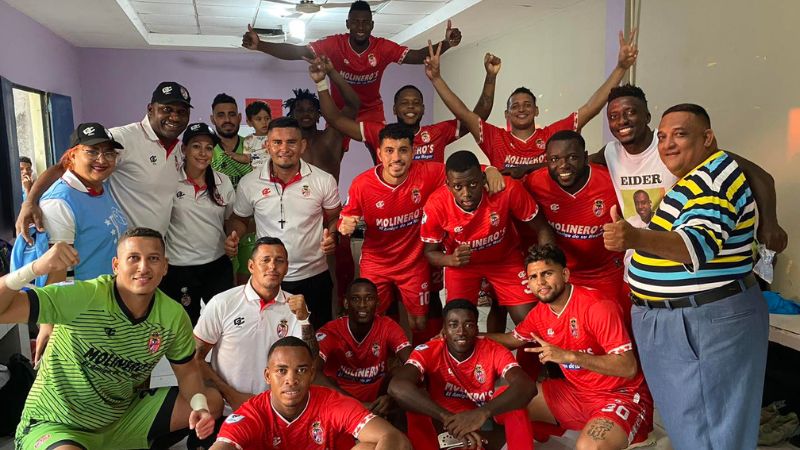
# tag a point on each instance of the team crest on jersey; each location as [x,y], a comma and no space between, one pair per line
[348,354]
[376,349]
[416,197]
[573,327]
[154,159]
[306,191]
[550,332]
[521,275]
[347,61]
[316,432]
[554,207]
[372,60]
[154,343]
[480,375]
[426,137]
[283,329]
[494,219]
[265,192]
[540,144]
[599,208]
[458,229]
[379,204]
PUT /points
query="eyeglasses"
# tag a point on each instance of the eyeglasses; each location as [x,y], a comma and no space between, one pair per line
[108,155]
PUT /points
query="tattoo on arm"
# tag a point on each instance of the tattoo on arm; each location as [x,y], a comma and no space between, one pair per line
[308,336]
[599,429]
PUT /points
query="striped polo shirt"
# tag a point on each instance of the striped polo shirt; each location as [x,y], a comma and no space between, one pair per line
[713,210]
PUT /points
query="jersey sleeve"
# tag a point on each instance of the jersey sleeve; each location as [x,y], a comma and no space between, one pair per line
[182,349]
[431,229]
[523,206]
[605,322]
[526,328]
[449,129]
[243,429]
[502,359]
[323,46]
[437,173]
[58,220]
[488,132]
[61,303]
[420,358]
[325,342]
[370,133]
[242,206]
[331,198]
[353,205]
[347,414]
[567,123]
[209,326]
[395,337]
[393,52]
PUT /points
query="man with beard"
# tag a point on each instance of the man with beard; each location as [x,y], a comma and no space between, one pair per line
[146,177]
[576,198]
[229,157]
[602,393]
[633,162]
[360,57]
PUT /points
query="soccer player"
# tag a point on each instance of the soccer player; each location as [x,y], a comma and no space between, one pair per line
[461,370]
[354,350]
[523,147]
[576,198]
[478,237]
[112,330]
[360,57]
[429,140]
[229,156]
[603,393]
[294,414]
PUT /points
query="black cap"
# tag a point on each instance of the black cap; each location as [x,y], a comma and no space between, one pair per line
[171,92]
[92,133]
[199,129]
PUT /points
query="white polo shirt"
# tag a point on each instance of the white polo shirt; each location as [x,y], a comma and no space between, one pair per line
[303,199]
[146,177]
[196,228]
[242,328]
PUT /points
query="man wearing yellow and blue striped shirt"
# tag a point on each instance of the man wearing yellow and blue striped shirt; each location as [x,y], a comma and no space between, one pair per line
[700,322]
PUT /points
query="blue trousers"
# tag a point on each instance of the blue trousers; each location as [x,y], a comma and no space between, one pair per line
[705,368]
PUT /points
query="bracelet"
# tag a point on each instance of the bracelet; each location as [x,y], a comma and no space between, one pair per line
[20,278]
[322,85]
[199,402]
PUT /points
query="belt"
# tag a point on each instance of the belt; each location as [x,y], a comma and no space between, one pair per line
[702,298]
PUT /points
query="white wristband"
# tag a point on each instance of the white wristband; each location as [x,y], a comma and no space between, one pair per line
[322,85]
[199,402]
[304,321]
[20,278]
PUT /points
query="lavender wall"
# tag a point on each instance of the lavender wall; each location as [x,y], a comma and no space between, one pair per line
[33,56]
[117,85]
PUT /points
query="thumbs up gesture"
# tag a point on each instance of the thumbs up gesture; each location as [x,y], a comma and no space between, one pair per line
[452,35]
[618,235]
[328,243]
[232,244]
[250,39]
[348,224]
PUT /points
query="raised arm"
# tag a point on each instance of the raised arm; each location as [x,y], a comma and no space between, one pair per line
[280,50]
[627,57]
[507,340]
[30,213]
[341,120]
[468,118]
[452,37]
[486,100]
[615,365]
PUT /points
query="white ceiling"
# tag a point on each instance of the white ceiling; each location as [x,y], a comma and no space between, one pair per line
[215,24]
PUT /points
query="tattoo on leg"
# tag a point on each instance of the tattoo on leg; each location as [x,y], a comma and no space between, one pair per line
[599,429]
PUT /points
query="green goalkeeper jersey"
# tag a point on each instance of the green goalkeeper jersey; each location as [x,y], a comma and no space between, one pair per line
[98,354]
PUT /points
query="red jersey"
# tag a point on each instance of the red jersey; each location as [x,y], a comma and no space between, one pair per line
[429,142]
[487,230]
[359,367]
[506,150]
[590,323]
[461,386]
[578,220]
[362,70]
[257,426]
[393,214]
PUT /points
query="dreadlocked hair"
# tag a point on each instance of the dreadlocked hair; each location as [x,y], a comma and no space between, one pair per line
[299,95]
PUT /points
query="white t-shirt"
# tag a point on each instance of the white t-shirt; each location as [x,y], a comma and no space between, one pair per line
[256,147]
[196,228]
[242,331]
[294,213]
[146,177]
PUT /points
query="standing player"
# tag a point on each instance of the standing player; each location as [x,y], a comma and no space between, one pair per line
[478,237]
[461,371]
[294,414]
[429,140]
[354,350]
[524,145]
[360,57]
[112,331]
[576,198]
[603,394]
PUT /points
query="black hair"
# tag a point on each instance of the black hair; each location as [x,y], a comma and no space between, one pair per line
[366,281]
[548,253]
[222,98]
[255,108]
[25,159]
[640,191]
[289,341]
[396,131]
[627,90]
[568,135]
[359,5]
[299,95]
[268,240]
[459,303]
[521,90]
[461,161]
[208,176]
[141,232]
[283,122]
[692,108]
[408,86]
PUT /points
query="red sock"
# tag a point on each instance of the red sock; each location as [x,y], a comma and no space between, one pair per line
[421,432]
[519,431]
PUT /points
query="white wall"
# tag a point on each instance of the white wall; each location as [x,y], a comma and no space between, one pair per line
[735,58]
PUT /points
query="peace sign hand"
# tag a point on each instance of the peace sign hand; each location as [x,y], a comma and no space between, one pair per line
[550,353]
[432,61]
[628,51]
